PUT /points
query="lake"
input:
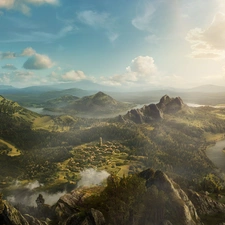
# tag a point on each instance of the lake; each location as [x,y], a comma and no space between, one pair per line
[216,155]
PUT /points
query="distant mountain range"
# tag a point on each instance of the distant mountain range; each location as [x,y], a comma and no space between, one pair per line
[207,88]
[36,96]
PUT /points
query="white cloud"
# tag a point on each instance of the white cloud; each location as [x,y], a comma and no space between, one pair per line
[44,36]
[93,19]
[92,177]
[17,77]
[28,52]
[143,20]
[7,4]
[5,78]
[7,55]
[99,21]
[73,75]
[112,36]
[141,71]
[143,66]
[22,76]
[9,67]
[11,55]
[37,36]
[209,42]
[23,5]
[40,2]
[38,62]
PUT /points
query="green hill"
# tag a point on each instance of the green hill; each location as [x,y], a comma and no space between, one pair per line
[11,109]
[99,104]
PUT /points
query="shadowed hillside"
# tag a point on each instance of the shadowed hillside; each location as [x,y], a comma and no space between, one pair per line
[99,104]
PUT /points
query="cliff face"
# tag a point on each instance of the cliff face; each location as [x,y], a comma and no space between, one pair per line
[171,105]
[145,114]
[205,204]
[11,216]
[67,209]
[181,209]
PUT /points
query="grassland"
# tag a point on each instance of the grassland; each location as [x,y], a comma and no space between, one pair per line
[13,151]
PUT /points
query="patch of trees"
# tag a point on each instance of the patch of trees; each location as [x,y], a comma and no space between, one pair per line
[128,201]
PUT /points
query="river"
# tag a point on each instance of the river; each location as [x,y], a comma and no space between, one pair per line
[216,155]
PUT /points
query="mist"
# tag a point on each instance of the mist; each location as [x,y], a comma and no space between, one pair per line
[27,195]
[92,177]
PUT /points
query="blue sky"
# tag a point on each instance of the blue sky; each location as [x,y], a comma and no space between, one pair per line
[127,44]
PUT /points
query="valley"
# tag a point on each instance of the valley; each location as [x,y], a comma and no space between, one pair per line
[53,150]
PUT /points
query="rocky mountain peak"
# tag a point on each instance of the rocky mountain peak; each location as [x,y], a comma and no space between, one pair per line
[100,93]
[152,112]
[171,105]
[165,100]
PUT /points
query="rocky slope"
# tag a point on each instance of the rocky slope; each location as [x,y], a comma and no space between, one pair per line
[68,209]
[153,112]
[11,216]
[182,208]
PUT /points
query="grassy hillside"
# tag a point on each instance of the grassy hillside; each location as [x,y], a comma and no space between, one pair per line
[95,105]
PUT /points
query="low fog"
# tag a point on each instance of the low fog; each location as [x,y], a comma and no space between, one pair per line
[26,195]
[90,177]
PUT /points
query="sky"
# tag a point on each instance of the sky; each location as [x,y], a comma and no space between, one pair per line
[122,44]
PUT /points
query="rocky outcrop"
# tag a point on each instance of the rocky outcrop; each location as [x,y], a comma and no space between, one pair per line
[171,105]
[146,114]
[34,221]
[181,209]
[93,217]
[153,112]
[205,205]
[11,216]
[68,212]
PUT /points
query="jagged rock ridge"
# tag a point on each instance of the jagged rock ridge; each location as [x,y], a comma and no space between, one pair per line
[153,112]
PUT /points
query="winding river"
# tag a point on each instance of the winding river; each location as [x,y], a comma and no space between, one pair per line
[216,155]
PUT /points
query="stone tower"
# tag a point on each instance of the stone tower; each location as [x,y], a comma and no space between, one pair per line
[100,141]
